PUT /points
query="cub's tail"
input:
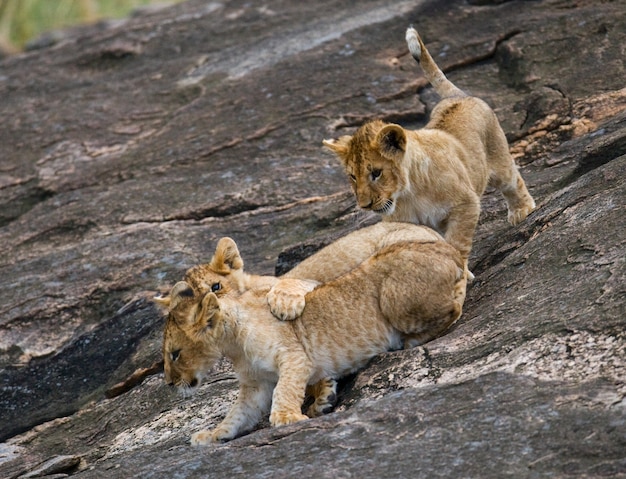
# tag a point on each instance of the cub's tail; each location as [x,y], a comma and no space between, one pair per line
[444,87]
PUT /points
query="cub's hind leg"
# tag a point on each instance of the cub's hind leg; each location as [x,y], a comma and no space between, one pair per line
[435,329]
[424,295]
[506,177]
[518,199]
[324,393]
[440,326]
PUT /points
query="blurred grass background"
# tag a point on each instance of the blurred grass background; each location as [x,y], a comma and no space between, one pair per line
[24,20]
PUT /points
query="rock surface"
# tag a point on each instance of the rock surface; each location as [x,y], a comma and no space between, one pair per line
[128,149]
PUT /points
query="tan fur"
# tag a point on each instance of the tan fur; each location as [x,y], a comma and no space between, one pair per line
[224,275]
[408,291]
[435,176]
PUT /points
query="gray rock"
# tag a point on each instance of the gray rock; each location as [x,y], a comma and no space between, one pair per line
[128,151]
[57,466]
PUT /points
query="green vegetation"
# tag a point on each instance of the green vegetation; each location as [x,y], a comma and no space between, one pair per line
[23,20]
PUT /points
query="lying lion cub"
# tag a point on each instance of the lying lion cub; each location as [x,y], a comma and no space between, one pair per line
[435,176]
[224,275]
[407,291]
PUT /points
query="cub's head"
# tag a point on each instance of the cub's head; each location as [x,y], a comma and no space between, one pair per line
[193,336]
[373,159]
[222,275]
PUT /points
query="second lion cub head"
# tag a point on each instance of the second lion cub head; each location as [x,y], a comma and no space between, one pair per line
[192,332]
[192,307]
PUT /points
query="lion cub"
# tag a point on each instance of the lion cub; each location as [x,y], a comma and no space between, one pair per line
[435,176]
[408,290]
[224,275]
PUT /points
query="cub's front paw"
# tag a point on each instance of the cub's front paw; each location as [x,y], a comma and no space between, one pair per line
[284,418]
[202,438]
[286,298]
[284,306]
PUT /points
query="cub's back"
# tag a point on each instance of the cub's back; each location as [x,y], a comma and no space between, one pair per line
[473,123]
[350,251]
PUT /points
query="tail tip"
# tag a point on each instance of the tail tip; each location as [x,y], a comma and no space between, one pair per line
[412,40]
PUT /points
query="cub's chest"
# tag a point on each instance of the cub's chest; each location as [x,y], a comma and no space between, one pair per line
[421,210]
[262,347]
[259,367]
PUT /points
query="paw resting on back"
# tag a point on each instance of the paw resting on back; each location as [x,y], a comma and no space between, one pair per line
[285,307]
[286,299]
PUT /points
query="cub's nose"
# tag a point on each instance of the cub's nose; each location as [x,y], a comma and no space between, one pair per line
[366,205]
[193,383]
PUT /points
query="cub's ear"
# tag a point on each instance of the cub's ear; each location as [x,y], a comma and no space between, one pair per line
[163,302]
[340,146]
[179,291]
[226,257]
[391,141]
[210,307]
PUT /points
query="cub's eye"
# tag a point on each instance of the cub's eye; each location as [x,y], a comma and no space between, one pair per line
[215,287]
[174,355]
[376,174]
[353,178]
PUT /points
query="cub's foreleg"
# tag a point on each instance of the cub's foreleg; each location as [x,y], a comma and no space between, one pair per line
[252,403]
[294,372]
[461,224]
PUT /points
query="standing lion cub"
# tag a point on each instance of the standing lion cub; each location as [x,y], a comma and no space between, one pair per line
[435,176]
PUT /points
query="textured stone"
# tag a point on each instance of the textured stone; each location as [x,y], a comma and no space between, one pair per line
[129,148]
